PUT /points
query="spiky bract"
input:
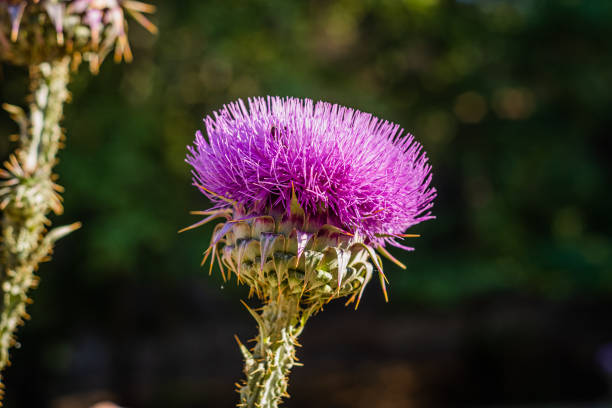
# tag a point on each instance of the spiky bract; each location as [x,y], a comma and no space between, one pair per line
[282,258]
[33,31]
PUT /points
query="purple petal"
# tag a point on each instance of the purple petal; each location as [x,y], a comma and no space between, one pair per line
[347,167]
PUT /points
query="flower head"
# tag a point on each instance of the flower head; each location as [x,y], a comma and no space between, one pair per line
[349,167]
[87,29]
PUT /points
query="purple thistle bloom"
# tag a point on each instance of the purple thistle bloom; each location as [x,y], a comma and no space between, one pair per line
[347,168]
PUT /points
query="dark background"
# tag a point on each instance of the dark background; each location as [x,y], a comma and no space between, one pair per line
[507,299]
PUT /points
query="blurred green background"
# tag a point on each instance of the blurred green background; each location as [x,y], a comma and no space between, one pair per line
[507,299]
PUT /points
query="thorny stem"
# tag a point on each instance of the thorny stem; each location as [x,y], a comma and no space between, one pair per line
[268,364]
[28,194]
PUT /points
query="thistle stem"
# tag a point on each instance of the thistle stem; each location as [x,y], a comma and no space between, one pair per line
[268,364]
[29,194]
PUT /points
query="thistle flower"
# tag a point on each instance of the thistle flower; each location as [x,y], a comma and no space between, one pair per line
[43,30]
[309,192]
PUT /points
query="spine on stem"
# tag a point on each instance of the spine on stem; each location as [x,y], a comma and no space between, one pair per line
[29,193]
[268,364]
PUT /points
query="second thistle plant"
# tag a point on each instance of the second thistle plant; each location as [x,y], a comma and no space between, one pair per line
[48,37]
[310,195]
